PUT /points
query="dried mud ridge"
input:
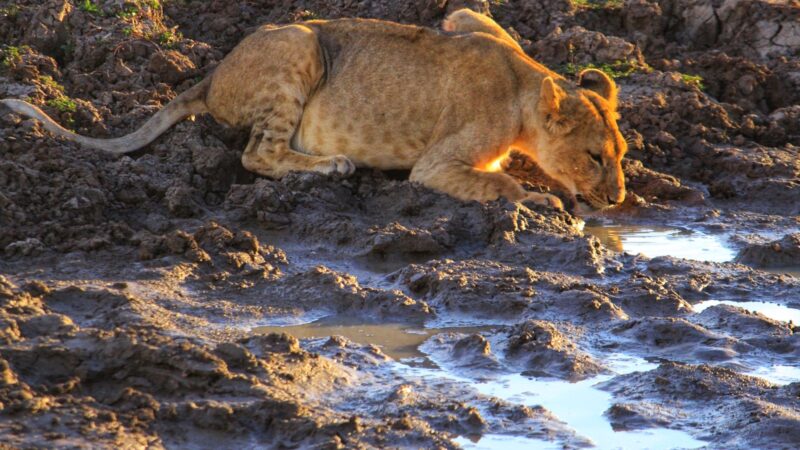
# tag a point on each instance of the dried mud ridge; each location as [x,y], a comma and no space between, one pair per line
[129,285]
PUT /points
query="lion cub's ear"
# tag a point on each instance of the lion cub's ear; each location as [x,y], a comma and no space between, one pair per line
[551,97]
[597,81]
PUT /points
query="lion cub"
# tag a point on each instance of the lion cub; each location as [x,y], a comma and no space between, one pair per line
[329,96]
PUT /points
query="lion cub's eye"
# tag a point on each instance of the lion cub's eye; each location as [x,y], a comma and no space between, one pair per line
[597,158]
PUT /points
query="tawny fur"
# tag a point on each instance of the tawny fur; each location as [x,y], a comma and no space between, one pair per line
[327,96]
[469,21]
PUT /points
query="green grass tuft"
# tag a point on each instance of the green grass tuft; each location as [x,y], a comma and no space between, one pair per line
[693,80]
[169,38]
[89,7]
[48,81]
[128,12]
[598,4]
[617,69]
[63,104]
[10,56]
[10,11]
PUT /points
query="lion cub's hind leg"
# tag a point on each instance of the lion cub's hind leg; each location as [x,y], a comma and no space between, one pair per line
[265,83]
[468,21]
[268,153]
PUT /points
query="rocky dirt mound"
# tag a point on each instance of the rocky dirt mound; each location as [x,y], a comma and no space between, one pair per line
[544,351]
[779,253]
[762,409]
[374,215]
[131,386]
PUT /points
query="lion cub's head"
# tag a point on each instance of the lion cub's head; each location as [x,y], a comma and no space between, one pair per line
[578,142]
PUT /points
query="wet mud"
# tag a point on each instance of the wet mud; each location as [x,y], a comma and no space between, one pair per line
[146,300]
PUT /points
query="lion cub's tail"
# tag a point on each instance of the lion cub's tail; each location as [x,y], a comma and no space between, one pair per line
[188,103]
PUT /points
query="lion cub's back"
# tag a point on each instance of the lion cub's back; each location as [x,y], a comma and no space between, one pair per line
[385,88]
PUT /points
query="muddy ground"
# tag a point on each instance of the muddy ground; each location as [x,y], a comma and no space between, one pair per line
[130,285]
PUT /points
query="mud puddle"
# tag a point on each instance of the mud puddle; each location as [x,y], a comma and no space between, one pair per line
[654,240]
[659,240]
[580,405]
[779,374]
[370,270]
[129,285]
[400,341]
[772,310]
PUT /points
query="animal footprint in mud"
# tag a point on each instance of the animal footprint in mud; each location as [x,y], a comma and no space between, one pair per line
[337,164]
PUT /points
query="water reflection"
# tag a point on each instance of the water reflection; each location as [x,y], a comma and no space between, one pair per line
[774,311]
[400,341]
[579,404]
[654,240]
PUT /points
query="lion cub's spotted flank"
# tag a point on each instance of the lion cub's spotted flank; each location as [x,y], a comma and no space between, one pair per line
[329,96]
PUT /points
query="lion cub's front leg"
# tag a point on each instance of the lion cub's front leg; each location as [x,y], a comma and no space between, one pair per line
[544,199]
[451,165]
[465,182]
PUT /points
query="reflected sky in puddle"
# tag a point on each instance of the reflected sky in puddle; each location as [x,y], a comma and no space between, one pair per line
[777,374]
[397,340]
[292,321]
[579,404]
[504,442]
[654,240]
[772,310]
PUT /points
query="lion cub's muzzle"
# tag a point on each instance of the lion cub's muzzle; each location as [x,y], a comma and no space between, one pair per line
[598,202]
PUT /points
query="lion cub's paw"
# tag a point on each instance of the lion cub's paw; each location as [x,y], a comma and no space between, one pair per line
[544,199]
[337,164]
[448,25]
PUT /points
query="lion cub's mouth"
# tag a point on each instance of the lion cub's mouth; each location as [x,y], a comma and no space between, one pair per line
[581,200]
[583,206]
[580,205]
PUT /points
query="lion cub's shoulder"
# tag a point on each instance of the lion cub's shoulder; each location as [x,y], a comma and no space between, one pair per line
[374,28]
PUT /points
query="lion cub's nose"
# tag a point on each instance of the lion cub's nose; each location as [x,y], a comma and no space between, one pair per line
[613,201]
